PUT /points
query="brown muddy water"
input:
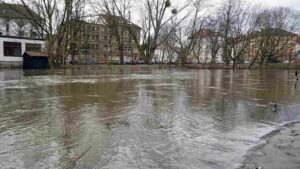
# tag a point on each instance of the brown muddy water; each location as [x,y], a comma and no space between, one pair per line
[140,118]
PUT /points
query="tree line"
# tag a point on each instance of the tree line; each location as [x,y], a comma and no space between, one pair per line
[234,26]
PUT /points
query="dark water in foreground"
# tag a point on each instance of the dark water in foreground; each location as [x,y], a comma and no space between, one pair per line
[139,118]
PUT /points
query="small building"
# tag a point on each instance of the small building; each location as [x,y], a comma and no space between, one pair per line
[18,34]
[35,60]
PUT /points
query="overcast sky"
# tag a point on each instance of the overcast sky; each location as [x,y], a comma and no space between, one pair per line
[295,4]
[287,3]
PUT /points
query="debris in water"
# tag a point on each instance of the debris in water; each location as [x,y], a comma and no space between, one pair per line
[275,107]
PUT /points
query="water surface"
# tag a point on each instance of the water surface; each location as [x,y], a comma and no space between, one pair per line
[139,118]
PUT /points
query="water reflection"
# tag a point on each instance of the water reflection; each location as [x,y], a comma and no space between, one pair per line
[139,118]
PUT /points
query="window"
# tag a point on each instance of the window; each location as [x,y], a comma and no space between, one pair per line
[33,47]
[12,49]
[33,34]
[7,28]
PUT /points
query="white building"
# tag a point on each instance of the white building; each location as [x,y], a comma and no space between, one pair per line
[163,54]
[202,50]
[17,35]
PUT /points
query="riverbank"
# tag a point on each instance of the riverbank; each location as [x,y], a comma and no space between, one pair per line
[242,66]
[187,66]
[278,150]
[105,66]
[164,66]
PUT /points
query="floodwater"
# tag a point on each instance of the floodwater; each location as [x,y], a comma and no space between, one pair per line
[134,118]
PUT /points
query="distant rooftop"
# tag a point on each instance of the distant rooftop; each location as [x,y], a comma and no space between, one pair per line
[107,18]
[274,32]
[16,11]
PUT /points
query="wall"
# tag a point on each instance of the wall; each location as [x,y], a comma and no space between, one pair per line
[298,51]
[23,42]
[15,25]
[98,38]
[205,53]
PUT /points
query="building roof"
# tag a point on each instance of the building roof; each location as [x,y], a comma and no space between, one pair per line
[204,33]
[35,54]
[273,32]
[108,18]
[16,11]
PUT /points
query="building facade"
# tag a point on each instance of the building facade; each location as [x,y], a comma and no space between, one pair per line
[163,54]
[98,44]
[280,45]
[17,35]
[206,41]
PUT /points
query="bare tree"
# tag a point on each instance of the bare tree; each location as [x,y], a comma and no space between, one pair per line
[214,40]
[236,27]
[198,48]
[70,29]
[209,41]
[184,33]
[156,14]
[168,48]
[226,12]
[48,10]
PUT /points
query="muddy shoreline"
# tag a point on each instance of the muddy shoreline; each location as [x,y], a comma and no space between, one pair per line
[279,149]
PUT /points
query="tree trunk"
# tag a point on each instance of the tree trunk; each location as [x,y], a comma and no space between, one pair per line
[252,63]
[234,64]
[183,59]
[50,51]
[121,54]
[149,56]
[198,60]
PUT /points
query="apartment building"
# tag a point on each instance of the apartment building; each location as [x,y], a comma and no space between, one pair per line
[280,44]
[99,44]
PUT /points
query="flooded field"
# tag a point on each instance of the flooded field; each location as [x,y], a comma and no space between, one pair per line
[140,118]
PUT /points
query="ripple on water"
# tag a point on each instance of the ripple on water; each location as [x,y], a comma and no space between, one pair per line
[146,119]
